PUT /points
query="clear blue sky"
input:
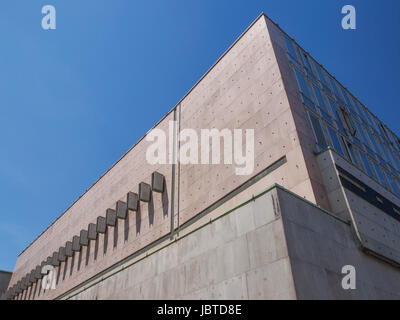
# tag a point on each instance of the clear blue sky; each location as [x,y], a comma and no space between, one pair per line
[74,99]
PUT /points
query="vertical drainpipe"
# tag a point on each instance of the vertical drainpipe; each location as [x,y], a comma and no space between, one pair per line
[173,178]
[179,168]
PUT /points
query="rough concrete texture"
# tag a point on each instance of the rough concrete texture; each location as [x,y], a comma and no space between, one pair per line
[320,244]
[303,129]
[243,91]
[277,246]
[242,255]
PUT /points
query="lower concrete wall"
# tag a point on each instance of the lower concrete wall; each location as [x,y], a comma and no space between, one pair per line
[320,245]
[242,255]
[275,246]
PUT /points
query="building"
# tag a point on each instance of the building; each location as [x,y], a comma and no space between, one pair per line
[324,194]
[5,277]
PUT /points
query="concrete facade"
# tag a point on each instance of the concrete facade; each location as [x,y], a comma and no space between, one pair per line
[287,249]
[224,259]
[166,247]
[320,245]
[375,230]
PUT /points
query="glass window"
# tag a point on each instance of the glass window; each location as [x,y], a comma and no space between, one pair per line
[306,60]
[353,109]
[307,64]
[335,110]
[361,133]
[346,98]
[393,184]
[321,77]
[358,142]
[336,113]
[370,121]
[364,118]
[386,154]
[378,129]
[321,103]
[381,177]
[307,98]
[349,123]
[397,184]
[290,48]
[320,99]
[392,138]
[351,152]
[395,160]
[302,84]
[366,165]
[335,90]
[396,147]
[335,141]
[356,154]
[393,170]
[382,131]
[353,113]
[327,117]
[373,141]
[382,161]
[359,110]
[371,153]
[333,86]
[317,130]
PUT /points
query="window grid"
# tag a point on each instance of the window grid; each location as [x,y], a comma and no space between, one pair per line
[364,130]
[380,175]
[335,142]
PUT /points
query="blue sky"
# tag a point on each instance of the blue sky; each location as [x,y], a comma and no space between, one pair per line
[75,99]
